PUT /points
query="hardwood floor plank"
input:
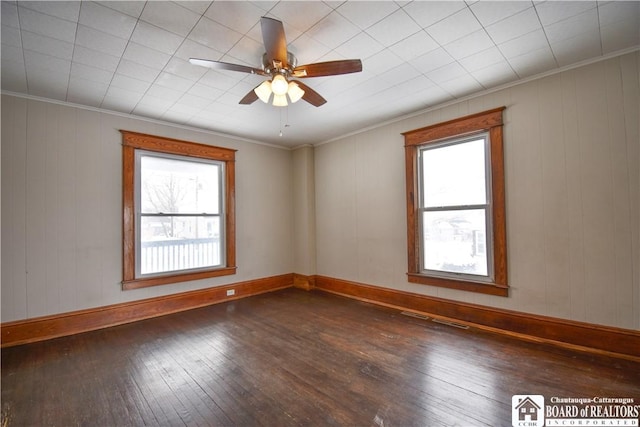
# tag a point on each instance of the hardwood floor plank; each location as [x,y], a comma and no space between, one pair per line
[294,358]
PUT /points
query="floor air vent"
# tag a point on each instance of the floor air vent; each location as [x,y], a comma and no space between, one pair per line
[448,323]
[416,315]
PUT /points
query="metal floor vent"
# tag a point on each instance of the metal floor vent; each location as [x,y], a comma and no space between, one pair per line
[416,315]
[449,323]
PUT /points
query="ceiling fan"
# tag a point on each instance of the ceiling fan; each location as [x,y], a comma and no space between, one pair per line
[281,66]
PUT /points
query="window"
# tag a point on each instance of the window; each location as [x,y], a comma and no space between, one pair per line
[454,211]
[178,210]
[456,229]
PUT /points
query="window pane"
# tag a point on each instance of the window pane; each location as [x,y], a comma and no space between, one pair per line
[454,175]
[178,186]
[171,243]
[455,241]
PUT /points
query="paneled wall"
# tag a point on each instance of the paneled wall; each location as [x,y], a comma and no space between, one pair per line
[304,224]
[572,153]
[62,208]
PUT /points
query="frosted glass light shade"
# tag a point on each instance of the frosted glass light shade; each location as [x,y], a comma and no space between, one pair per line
[280,100]
[264,91]
[294,92]
[279,85]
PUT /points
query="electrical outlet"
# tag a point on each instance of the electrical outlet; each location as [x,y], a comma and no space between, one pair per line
[231,292]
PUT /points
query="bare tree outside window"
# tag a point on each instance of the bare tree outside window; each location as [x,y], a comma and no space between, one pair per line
[165,194]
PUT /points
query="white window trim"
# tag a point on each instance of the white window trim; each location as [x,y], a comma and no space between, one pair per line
[138,211]
[487,207]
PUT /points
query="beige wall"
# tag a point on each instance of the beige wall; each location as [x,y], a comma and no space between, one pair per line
[304,225]
[62,208]
[572,156]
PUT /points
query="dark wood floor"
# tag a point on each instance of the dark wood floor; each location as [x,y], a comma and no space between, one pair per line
[293,358]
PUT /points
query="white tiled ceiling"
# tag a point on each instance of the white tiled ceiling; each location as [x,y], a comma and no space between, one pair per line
[132,56]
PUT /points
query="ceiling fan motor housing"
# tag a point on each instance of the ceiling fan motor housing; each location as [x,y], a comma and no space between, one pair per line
[276,66]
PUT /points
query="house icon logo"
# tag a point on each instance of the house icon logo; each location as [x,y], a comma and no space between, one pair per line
[527,410]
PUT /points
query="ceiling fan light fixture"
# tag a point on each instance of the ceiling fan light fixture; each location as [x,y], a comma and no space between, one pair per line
[264,91]
[294,92]
[280,100]
[279,85]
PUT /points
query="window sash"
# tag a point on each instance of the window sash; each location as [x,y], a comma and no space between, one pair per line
[426,251]
[486,207]
[169,253]
[179,256]
[190,162]
[456,143]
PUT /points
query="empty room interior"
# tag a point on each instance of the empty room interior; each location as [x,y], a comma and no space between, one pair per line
[349,213]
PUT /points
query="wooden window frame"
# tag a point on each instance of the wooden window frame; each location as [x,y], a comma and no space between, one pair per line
[132,141]
[487,121]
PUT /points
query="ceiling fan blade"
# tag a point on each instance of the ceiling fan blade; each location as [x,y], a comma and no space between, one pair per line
[310,95]
[330,68]
[219,65]
[275,42]
[249,98]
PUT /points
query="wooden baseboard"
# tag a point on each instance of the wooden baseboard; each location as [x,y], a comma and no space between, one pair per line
[303,282]
[59,325]
[585,336]
[597,338]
